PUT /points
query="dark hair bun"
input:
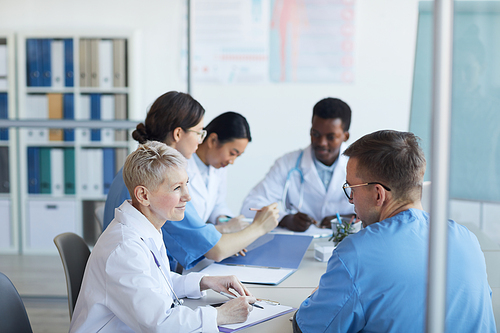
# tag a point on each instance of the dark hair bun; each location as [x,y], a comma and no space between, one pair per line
[140,134]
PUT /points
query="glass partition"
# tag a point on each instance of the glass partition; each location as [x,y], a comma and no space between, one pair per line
[475,119]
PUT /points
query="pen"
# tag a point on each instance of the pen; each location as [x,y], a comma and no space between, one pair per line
[338,218]
[232,297]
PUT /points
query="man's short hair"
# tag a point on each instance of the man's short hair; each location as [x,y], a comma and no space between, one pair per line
[332,108]
[393,158]
[148,164]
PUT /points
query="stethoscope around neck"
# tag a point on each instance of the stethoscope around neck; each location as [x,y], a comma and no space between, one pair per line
[176,300]
[286,206]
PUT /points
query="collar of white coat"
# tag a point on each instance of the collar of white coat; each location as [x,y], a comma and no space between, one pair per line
[196,182]
[129,216]
[194,173]
[203,169]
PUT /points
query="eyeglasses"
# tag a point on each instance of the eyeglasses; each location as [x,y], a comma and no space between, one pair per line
[202,134]
[348,188]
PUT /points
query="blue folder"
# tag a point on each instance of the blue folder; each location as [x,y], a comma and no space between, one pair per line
[4,114]
[69,113]
[95,114]
[108,164]
[274,251]
[33,63]
[68,63]
[46,80]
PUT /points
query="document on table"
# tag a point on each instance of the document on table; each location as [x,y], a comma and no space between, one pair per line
[258,316]
[249,274]
[311,231]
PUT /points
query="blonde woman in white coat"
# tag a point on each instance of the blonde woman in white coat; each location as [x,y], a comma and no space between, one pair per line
[227,138]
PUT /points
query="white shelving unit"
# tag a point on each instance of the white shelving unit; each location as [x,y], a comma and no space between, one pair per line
[9,226]
[46,212]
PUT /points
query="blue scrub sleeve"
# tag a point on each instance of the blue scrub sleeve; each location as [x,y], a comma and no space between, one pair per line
[189,239]
[335,306]
[117,194]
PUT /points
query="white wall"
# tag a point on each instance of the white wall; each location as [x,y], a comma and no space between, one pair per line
[279,114]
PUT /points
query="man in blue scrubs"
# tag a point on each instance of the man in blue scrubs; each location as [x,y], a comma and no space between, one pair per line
[376,279]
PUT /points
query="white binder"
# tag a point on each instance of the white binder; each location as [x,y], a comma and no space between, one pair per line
[107,113]
[57,171]
[3,60]
[57,63]
[37,107]
[106,63]
[96,176]
[83,134]
[84,186]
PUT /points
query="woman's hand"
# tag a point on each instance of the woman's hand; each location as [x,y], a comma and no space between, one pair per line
[224,283]
[267,217]
[233,225]
[235,311]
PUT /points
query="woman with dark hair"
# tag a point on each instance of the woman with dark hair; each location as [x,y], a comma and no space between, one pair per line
[227,138]
[176,119]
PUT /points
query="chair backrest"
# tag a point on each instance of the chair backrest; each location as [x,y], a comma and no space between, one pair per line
[99,215]
[13,316]
[74,254]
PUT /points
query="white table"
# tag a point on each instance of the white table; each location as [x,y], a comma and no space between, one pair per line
[292,292]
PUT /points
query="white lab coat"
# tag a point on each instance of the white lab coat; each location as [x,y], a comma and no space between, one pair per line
[317,202]
[209,202]
[123,290]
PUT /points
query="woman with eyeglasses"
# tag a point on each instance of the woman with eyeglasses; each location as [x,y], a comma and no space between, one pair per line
[176,119]
[227,137]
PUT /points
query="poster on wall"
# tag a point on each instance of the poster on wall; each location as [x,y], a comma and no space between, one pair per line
[311,41]
[230,41]
[279,41]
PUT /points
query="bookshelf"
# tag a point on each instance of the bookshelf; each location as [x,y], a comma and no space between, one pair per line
[76,88]
[9,226]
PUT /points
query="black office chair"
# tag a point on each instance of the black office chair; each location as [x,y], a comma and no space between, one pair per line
[13,316]
[74,254]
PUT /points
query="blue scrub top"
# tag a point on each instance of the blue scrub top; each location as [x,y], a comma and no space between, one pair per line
[186,241]
[376,281]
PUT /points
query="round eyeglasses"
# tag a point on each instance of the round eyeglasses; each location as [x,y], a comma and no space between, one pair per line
[348,188]
[202,134]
